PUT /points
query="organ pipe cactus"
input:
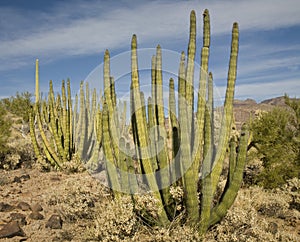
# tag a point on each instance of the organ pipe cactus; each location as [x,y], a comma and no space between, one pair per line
[60,132]
[195,158]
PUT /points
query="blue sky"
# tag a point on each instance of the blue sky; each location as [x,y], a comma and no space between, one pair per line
[70,37]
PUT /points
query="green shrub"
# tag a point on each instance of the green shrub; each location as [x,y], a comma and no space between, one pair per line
[15,147]
[5,125]
[276,137]
[19,105]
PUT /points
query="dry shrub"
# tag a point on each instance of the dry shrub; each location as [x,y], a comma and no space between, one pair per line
[74,165]
[260,215]
[76,200]
[19,148]
[115,220]
[172,234]
[146,208]
[123,220]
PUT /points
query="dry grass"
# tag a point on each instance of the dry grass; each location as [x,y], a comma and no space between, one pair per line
[261,215]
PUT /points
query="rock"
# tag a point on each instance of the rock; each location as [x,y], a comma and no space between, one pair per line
[19,217]
[54,222]
[5,207]
[273,228]
[36,215]
[24,206]
[10,230]
[36,207]
[19,179]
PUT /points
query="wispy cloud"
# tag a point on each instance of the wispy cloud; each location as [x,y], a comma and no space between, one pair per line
[88,27]
[269,90]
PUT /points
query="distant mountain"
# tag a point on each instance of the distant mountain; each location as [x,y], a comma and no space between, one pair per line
[243,109]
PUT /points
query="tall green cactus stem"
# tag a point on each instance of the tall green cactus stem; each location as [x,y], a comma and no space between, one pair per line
[161,142]
[151,127]
[37,88]
[49,148]
[159,100]
[208,152]
[75,121]
[65,123]
[107,82]
[33,136]
[197,149]
[70,133]
[191,165]
[110,99]
[174,134]
[123,167]
[207,195]
[232,158]
[81,126]
[133,184]
[111,167]
[85,133]
[122,121]
[190,73]
[93,146]
[154,97]
[181,107]
[230,193]
[228,109]
[113,91]
[141,132]
[32,114]
[98,125]
[56,125]
[189,181]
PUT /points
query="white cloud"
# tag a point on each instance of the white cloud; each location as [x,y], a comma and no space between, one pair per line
[263,91]
[90,27]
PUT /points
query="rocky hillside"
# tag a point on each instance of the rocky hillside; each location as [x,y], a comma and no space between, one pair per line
[244,109]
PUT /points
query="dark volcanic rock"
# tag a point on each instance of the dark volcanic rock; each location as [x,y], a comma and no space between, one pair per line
[5,207]
[36,215]
[273,228]
[36,207]
[24,206]
[10,230]
[19,217]
[54,222]
[19,179]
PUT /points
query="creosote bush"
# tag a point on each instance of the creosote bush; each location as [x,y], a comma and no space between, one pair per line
[15,145]
[276,137]
[115,222]
[5,125]
[75,202]
[19,105]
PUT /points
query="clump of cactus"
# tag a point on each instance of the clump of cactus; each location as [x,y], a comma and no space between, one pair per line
[61,131]
[194,162]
